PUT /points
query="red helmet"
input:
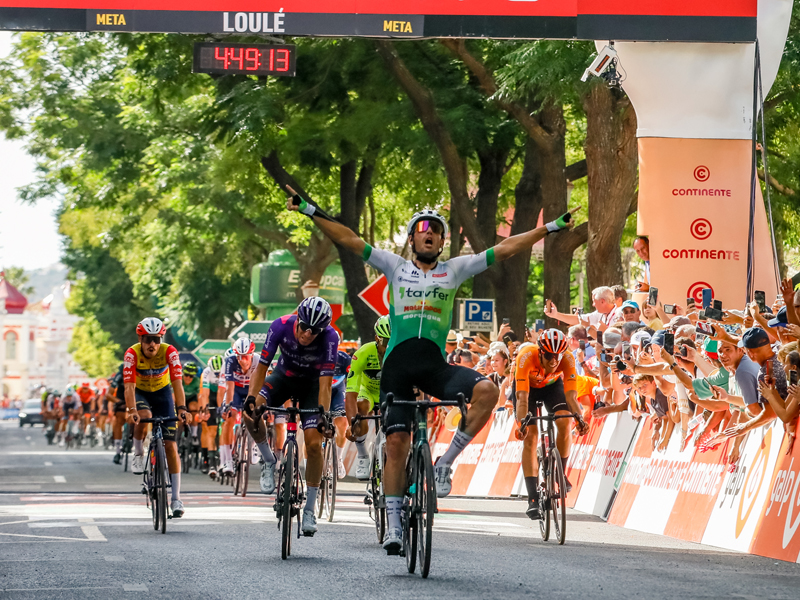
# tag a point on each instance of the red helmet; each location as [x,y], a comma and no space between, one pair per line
[151,326]
[553,341]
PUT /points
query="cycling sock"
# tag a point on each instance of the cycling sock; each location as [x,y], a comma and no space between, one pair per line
[460,441]
[212,458]
[361,447]
[118,446]
[311,498]
[532,485]
[394,509]
[266,453]
[138,447]
[226,453]
[204,454]
[175,480]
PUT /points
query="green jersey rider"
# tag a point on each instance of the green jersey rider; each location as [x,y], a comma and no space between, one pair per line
[421,293]
[363,389]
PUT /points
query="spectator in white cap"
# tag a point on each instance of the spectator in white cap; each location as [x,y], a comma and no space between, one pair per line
[601,318]
[639,339]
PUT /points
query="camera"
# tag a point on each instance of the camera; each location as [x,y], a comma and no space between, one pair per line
[604,66]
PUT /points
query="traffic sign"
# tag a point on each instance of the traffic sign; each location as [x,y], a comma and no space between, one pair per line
[209,348]
[478,315]
[255,330]
[376,295]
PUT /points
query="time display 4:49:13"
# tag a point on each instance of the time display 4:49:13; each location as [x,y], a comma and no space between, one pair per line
[253,59]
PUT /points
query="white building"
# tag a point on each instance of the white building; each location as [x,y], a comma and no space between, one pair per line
[33,342]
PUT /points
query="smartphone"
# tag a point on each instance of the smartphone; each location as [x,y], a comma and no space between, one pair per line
[468,339]
[652,299]
[690,302]
[768,379]
[605,357]
[704,328]
[793,377]
[684,352]
[707,296]
[760,298]
[506,321]
[714,313]
[669,309]
[717,304]
[599,338]
[669,342]
[577,310]
[626,349]
[539,325]
[582,345]
[701,315]
[509,338]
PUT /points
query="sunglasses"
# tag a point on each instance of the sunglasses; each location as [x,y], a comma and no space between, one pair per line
[549,356]
[629,311]
[151,339]
[434,226]
[313,330]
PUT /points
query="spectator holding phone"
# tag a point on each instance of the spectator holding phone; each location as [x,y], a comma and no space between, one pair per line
[659,395]
[579,345]
[642,247]
[603,316]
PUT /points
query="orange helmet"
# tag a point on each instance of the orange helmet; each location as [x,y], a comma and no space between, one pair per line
[553,341]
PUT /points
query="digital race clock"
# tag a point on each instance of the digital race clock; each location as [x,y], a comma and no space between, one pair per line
[246,59]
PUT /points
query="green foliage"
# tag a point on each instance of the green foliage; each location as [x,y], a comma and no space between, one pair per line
[93,349]
[17,277]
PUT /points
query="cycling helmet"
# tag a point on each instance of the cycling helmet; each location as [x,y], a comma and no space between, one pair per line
[383,328]
[427,215]
[228,353]
[553,341]
[86,384]
[151,326]
[69,391]
[315,312]
[244,347]
[190,368]
[215,363]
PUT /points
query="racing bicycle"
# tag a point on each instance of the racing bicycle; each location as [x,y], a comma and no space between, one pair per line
[419,502]
[156,480]
[375,498]
[242,457]
[553,484]
[326,498]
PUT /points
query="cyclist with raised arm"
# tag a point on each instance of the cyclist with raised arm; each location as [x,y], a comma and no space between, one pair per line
[235,381]
[421,294]
[363,390]
[152,374]
[309,348]
[208,415]
[545,372]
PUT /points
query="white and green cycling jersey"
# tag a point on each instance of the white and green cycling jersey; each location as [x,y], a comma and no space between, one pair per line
[421,304]
[210,381]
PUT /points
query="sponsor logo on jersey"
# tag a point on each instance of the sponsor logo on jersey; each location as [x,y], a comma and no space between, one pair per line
[434,293]
[440,274]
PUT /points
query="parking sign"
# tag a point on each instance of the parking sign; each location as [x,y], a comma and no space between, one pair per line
[478,315]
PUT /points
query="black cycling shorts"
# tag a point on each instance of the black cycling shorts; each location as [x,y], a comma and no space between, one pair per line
[552,396]
[119,406]
[279,387]
[190,399]
[212,413]
[419,362]
[160,404]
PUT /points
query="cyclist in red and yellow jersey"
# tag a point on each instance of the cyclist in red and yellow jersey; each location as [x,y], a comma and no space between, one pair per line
[545,373]
[149,369]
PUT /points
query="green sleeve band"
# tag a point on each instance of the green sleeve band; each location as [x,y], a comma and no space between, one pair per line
[490,257]
[367,252]
[303,205]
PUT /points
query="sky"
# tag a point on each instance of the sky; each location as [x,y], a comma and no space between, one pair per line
[28,234]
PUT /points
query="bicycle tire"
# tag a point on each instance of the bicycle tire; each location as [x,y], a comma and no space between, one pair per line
[559,498]
[426,508]
[151,483]
[184,452]
[161,471]
[544,495]
[246,452]
[410,525]
[237,465]
[378,503]
[323,488]
[287,477]
[332,477]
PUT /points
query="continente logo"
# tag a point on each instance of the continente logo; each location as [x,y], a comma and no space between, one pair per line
[434,294]
[752,484]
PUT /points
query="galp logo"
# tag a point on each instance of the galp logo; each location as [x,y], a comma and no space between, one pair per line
[786,497]
[752,485]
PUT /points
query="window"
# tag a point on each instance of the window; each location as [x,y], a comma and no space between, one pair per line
[11,345]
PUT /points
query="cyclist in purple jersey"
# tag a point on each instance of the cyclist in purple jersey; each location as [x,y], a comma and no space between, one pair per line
[309,348]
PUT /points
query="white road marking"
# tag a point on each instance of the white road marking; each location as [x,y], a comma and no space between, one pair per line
[104,587]
[115,558]
[27,438]
[60,479]
[61,453]
[93,534]
[47,463]
[134,587]
[51,537]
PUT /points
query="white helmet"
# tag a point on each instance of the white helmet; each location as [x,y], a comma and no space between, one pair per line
[243,346]
[151,326]
[427,215]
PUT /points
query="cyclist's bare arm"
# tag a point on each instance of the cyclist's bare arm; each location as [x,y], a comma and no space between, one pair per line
[338,233]
[180,398]
[522,241]
[522,405]
[130,396]
[202,398]
[257,379]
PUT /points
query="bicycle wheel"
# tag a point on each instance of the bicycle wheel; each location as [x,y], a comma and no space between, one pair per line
[237,463]
[332,472]
[426,507]
[410,523]
[185,446]
[378,503]
[161,485]
[323,487]
[247,449]
[287,479]
[558,500]
[544,496]
[152,489]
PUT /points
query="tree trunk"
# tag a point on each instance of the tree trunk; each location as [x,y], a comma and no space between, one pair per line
[493,161]
[612,159]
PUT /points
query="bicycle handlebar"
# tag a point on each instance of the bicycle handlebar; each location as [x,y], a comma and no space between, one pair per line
[160,420]
[530,418]
[460,402]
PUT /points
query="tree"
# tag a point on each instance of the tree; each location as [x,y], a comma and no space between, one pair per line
[92,348]
[17,277]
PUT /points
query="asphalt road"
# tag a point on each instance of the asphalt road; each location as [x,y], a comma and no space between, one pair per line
[73,525]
